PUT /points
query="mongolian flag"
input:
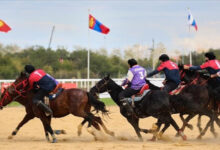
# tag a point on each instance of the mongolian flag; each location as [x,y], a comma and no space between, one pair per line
[94,24]
[4,27]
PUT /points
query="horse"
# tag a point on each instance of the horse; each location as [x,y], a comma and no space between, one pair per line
[155,103]
[71,101]
[202,79]
[192,100]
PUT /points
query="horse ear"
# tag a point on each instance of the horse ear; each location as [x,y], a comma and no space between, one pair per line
[108,76]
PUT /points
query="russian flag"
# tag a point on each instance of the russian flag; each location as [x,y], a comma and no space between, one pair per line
[192,21]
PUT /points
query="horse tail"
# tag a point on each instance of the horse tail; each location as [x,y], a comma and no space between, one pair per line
[98,105]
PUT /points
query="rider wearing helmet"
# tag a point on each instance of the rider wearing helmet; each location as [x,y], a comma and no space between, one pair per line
[171,71]
[44,84]
[135,80]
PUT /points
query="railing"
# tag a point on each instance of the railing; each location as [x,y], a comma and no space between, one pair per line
[86,84]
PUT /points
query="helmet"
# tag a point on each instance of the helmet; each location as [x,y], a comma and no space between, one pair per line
[132,62]
[210,55]
[164,57]
[29,68]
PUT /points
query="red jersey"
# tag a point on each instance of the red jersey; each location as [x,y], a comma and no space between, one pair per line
[167,64]
[214,64]
[36,76]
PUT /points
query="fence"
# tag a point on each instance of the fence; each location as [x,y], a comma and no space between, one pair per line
[88,83]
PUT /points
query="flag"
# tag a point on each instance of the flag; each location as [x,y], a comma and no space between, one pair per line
[94,24]
[4,27]
[192,21]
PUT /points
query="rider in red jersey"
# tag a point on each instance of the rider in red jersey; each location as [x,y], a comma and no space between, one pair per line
[44,84]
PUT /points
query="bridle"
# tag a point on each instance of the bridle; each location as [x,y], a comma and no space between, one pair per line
[104,84]
[194,81]
[13,86]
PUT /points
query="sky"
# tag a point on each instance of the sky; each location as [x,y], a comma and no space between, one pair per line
[130,22]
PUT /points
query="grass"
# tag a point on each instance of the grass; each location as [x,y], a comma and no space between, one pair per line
[107,101]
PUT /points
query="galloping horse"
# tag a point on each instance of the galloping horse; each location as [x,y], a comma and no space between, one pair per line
[192,100]
[201,79]
[70,101]
[155,103]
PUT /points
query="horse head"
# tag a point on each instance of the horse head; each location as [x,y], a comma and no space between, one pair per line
[101,86]
[192,76]
[15,90]
[186,75]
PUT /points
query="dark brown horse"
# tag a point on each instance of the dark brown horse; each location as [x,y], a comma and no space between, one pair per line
[191,77]
[70,101]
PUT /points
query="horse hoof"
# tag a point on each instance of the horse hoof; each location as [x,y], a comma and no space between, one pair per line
[79,133]
[10,137]
[112,133]
[190,126]
[141,139]
[199,137]
[177,134]
[54,141]
[215,135]
[62,131]
[14,133]
[184,137]
[153,139]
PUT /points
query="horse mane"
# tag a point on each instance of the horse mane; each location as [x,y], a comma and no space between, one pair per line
[151,85]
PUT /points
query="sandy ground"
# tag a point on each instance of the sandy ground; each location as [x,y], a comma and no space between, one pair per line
[31,136]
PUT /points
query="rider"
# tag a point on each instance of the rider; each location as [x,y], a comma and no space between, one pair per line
[135,80]
[212,65]
[44,84]
[171,71]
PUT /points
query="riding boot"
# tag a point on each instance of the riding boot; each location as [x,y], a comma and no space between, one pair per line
[127,106]
[45,108]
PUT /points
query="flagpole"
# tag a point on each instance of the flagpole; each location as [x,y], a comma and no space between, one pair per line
[51,36]
[190,52]
[88,56]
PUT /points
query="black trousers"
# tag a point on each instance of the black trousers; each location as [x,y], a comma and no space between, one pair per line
[39,95]
[169,86]
[128,92]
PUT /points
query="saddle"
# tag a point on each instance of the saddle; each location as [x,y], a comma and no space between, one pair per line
[137,97]
[178,89]
[54,94]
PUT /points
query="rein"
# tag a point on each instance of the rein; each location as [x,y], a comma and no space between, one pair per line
[99,88]
[19,93]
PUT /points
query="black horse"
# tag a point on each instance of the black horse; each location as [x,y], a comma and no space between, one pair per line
[202,79]
[155,103]
[192,100]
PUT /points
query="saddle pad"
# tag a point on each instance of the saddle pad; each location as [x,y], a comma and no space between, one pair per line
[138,98]
[177,90]
[53,96]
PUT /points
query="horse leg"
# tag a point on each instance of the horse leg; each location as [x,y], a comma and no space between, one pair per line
[46,123]
[99,120]
[79,132]
[212,129]
[211,116]
[179,131]
[185,121]
[135,123]
[155,129]
[26,118]
[199,123]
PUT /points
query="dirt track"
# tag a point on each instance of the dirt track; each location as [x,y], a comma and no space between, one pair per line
[31,136]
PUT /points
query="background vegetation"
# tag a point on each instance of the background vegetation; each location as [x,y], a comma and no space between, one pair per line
[73,64]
